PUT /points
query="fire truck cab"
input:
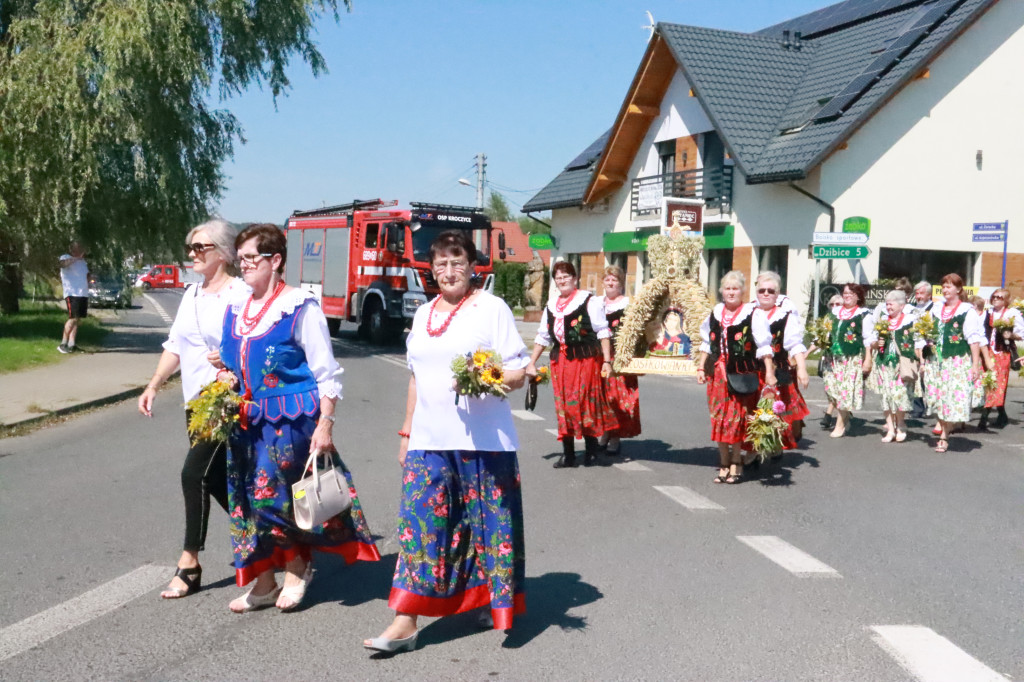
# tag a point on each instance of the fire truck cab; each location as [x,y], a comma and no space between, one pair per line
[367,262]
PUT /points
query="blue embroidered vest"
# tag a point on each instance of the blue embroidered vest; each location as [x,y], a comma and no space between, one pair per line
[274,372]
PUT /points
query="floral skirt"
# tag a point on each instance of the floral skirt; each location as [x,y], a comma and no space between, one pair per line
[623,392]
[460,534]
[844,385]
[950,389]
[893,393]
[728,412]
[997,397]
[263,462]
[582,407]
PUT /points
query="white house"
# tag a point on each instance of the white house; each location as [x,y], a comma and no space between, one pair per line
[904,112]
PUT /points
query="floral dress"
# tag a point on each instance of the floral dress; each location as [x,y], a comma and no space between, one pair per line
[285,366]
[901,342]
[622,390]
[852,333]
[951,392]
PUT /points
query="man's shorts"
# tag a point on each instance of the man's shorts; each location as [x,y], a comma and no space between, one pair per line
[78,306]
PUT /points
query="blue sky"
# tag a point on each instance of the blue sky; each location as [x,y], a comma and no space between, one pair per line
[416,90]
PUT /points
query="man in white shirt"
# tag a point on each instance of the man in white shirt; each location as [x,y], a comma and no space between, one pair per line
[74,276]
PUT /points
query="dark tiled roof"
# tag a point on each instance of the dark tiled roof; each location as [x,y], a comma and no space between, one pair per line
[568,188]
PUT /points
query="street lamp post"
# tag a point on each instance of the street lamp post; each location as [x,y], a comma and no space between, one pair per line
[481,179]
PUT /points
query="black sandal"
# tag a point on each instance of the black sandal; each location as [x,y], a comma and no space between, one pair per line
[192,577]
[723,473]
[733,479]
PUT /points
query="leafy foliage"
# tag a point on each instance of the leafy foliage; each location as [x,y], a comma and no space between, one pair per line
[214,413]
[497,208]
[509,281]
[107,129]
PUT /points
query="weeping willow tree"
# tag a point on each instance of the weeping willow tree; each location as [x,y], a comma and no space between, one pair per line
[107,131]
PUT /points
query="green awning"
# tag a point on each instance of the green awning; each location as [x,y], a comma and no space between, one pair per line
[719,236]
[635,240]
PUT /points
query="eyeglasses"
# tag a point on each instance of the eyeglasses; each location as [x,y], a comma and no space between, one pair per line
[766,291]
[198,247]
[253,259]
[455,265]
[998,297]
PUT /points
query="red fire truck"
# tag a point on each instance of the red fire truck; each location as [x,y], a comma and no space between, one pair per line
[367,261]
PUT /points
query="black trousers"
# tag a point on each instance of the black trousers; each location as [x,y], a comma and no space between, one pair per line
[203,475]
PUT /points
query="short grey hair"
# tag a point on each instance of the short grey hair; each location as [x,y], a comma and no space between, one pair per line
[732,276]
[222,234]
[897,295]
[922,285]
[837,299]
[774,277]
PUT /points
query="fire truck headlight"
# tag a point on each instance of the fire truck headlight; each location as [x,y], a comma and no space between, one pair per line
[412,301]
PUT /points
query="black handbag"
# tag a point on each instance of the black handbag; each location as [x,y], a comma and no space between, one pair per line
[743,384]
[531,395]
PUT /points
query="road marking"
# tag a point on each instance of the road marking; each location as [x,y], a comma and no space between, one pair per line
[527,416]
[789,557]
[630,466]
[159,309]
[688,498]
[34,630]
[930,657]
[369,352]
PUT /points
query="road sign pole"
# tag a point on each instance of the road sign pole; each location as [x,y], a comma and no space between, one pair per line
[817,288]
[1006,239]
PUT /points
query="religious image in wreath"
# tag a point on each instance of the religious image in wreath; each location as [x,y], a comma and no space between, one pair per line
[665,333]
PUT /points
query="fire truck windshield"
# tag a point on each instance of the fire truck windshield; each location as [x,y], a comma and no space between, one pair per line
[425,236]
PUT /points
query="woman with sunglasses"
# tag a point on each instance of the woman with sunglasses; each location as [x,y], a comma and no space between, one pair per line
[788,354]
[1004,326]
[853,334]
[192,346]
[956,362]
[575,326]
[277,351]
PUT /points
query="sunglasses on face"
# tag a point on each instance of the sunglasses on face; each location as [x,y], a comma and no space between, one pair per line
[253,258]
[766,291]
[198,247]
[998,297]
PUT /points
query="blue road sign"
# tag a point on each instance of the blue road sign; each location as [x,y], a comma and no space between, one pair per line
[989,237]
[989,227]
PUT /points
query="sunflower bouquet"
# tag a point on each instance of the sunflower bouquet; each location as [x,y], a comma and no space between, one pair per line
[214,412]
[479,373]
[1018,303]
[766,426]
[543,376]
[882,329]
[821,331]
[925,328]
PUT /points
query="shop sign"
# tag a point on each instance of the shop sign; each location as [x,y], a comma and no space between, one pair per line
[541,242]
[847,238]
[650,195]
[627,241]
[839,252]
[857,224]
[682,218]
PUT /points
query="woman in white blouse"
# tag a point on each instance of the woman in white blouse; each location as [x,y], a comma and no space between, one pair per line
[622,390]
[575,326]
[1004,327]
[192,345]
[460,523]
[277,350]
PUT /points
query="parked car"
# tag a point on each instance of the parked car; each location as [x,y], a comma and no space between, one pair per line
[168,277]
[109,289]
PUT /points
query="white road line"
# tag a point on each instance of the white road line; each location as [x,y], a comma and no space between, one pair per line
[159,309]
[630,466]
[930,657]
[789,557]
[688,498]
[34,630]
[527,416]
[554,432]
[368,352]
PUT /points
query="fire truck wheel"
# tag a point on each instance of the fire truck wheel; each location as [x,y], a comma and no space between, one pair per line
[333,325]
[376,323]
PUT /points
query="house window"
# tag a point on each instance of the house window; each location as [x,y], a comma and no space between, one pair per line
[775,258]
[371,235]
[618,260]
[719,263]
[667,157]
[922,265]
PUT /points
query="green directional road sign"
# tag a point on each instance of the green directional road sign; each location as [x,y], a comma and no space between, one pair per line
[841,252]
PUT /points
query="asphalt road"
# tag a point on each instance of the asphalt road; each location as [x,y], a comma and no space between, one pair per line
[891,563]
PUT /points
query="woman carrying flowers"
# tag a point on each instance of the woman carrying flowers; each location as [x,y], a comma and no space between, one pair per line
[277,350]
[788,354]
[460,519]
[896,367]
[622,390]
[1004,326]
[734,343]
[956,364]
[852,338]
[575,326]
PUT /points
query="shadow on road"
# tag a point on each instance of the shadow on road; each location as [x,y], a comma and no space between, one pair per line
[350,585]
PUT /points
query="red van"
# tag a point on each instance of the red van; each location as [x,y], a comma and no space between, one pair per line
[167,277]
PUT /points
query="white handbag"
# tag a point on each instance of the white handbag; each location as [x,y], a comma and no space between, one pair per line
[321,495]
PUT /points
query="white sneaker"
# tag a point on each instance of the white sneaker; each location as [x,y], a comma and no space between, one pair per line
[63,348]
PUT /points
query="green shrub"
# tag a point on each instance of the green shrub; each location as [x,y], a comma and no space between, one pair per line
[509,281]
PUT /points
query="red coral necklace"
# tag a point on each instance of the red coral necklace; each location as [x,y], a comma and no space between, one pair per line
[560,306]
[250,322]
[843,315]
[946,317]
[441,330]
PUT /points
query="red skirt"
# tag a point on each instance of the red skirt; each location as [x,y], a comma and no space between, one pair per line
[796,409]
[728,412]
[997,397]
[623,392]
[582,407]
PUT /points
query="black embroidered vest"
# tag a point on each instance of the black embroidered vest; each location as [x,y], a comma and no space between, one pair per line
[738,344]
[580,338]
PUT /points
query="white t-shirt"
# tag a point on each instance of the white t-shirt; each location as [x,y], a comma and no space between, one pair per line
[197,330]
[74,277]
[439,421]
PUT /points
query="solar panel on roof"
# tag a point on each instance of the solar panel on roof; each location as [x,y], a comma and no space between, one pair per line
[588,155]
[884,63]
[839,16]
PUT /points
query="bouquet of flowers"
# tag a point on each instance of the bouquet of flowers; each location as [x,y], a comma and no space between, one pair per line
[1018,304]
[543,376]
[765,426]
[988,381]
[822,332]
[925,328]
[882,329]
[479,373]
[1003,328]
[214,412]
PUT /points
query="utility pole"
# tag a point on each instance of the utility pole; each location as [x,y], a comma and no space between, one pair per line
[481,179]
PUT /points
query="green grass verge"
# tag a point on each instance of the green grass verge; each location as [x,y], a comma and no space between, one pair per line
[30,338]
